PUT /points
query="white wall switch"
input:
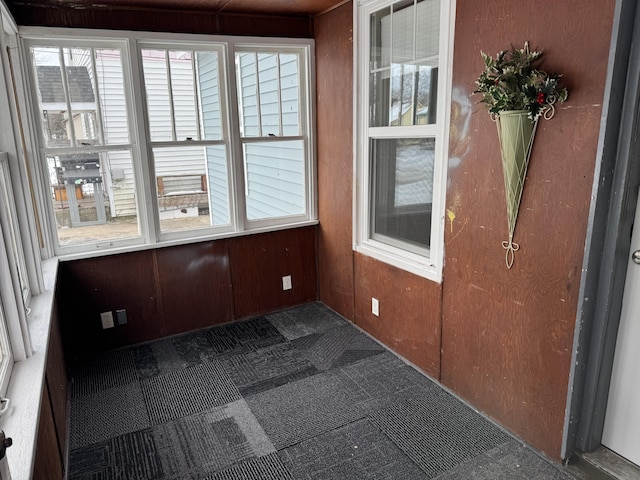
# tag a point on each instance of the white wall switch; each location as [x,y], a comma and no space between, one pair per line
[286,282]
[375,306]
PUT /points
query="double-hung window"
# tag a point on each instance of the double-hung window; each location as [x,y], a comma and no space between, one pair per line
[402,86]
[85,118]
[161,138]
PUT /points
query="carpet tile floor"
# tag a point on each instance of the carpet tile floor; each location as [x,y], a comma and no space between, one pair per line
[299,394]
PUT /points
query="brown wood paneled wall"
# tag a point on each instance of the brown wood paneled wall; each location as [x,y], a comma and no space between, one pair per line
[48,463]
[334,94]
[50,455]
[177,289]
[409,307]
[158,20]
[507,334]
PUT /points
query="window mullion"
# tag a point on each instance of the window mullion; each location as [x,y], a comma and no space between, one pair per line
[172,112]
[279,93]
[196,95]
[67,95]
[138,116]
[236,161]
[101,136]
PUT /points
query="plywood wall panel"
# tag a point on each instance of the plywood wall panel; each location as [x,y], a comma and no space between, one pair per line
[258,263]
[194,286]
[409,320]
[56,381]
[48,463]
[177,289]
[507,334]
[90,286]
[334,72]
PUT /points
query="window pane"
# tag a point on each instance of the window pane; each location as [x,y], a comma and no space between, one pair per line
[403,88]
[183,94]
[110,77]
[69,103]
[209,85]
[93,196]
[11,234]
[275,179]
[193,187]
[269,100]
[156,84]
[402,189]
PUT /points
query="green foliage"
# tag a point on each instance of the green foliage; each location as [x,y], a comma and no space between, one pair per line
[513,81]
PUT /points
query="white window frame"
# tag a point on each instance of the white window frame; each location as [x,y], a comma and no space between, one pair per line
[429,264]
[140,144]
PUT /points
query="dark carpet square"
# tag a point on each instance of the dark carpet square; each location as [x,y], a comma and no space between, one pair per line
[185,392]
[108,370]
[107,414]
[358,451]
[437,431]
[269,467]
[337,347]
[509,461]
[305,320]
[244,336]
[211,441]
[301,410]
[132,456]
[385,379]
[267,368]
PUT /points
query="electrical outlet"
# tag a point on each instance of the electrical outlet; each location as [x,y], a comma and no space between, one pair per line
[121,316]
[107,320]
[286,282]
[375,306]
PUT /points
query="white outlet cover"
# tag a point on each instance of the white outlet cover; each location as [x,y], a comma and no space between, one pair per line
[286,282]
[375,306]
[107,320]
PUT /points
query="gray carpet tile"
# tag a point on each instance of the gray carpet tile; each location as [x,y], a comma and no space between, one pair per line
[438,431]
[195,348]
[267,368]
[185,392]
[158,358]
[301,410]
[269,467]
[94,375]
[244,336]
[336,347]
[211,441]
[132,456]
[107,414]
[301,394]
[509,461]
[355,451]
[305,320]
[382,380]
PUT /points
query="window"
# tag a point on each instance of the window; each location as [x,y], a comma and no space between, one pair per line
[166,138]
[401,151]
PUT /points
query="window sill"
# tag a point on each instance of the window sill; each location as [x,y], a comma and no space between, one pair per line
[20,422]
[407,261]
[182,241]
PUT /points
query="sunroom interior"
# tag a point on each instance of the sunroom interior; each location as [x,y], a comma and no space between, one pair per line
[527,346]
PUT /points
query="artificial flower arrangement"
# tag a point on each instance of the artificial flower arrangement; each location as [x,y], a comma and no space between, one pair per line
[518,93]
[513,81]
